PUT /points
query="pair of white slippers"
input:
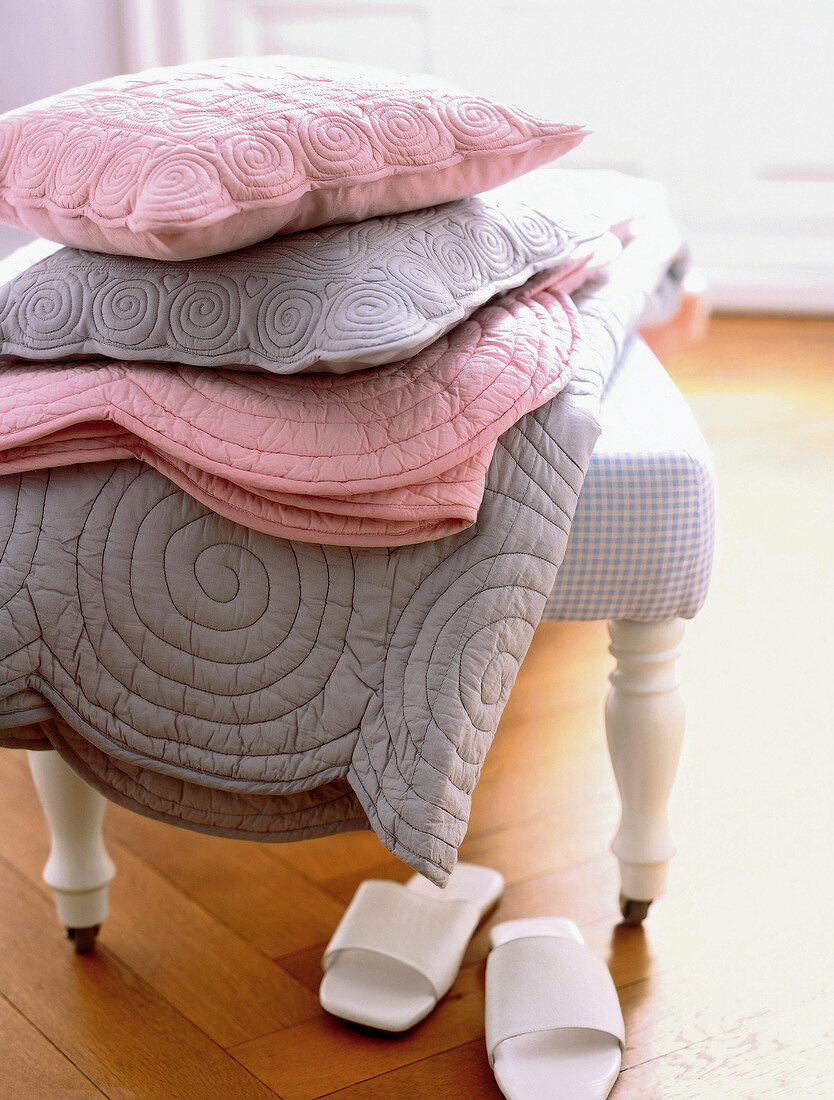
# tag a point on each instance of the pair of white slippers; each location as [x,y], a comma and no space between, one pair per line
[554,1028]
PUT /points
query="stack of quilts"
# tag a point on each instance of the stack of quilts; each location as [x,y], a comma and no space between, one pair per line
[292,436]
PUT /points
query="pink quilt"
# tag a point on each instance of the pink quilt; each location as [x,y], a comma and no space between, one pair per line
[383,457]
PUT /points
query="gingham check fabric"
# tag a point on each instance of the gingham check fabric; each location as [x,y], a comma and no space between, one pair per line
[641,543]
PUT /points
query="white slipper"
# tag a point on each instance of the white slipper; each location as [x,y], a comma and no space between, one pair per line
[398,949]
[554,1028]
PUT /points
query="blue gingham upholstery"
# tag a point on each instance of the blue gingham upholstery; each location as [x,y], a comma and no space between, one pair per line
[642,539]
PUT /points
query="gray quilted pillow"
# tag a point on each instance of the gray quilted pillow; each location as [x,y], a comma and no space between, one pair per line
[338,298]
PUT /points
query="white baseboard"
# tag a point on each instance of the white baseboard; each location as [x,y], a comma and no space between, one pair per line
[770,292]
[768,272]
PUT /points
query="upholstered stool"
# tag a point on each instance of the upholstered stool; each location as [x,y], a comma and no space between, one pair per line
[639,555]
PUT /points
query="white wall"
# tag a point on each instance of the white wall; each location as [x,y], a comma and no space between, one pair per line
[729,102]
[47,46]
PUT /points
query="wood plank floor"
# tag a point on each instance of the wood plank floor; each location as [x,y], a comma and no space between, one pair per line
[204,981]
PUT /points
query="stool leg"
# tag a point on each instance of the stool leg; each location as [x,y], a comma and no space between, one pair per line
[79,870]
[644,720]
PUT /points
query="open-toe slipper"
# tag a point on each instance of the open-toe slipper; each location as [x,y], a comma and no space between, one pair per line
[554,1028]
[398,949]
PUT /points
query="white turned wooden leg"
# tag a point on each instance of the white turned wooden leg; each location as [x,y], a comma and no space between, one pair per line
[644,720]
[79,870]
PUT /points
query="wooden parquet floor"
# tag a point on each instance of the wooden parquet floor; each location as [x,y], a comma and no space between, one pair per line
[204,982]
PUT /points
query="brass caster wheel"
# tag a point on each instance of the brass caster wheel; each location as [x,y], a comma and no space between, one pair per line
[633,911]
[84,939]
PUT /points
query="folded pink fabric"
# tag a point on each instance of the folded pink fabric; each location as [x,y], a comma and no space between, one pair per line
[393,455]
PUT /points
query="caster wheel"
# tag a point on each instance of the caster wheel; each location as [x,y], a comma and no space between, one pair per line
[633,911]
[84,939]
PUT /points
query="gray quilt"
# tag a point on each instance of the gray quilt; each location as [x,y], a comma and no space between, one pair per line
[216,677]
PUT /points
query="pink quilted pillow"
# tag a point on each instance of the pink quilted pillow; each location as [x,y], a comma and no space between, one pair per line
[197,160]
